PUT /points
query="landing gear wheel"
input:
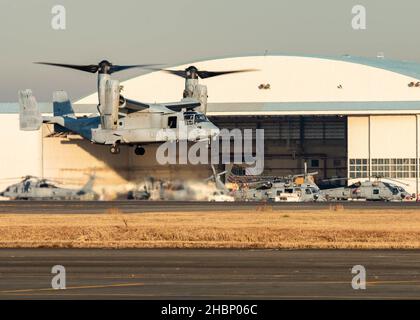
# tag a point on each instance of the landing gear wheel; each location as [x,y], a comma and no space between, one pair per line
[115,149]
[139,151]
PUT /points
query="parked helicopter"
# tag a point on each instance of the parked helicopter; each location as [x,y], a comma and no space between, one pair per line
[124,121]
[181,190]
[375,190]
[294,188]
[34,188]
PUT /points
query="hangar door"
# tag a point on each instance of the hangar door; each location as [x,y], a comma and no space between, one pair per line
[321,141]
[384,146]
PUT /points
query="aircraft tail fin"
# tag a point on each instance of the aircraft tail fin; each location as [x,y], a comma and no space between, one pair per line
[88,187]
[30,118]
[61,104]
[61,107]
[216,178]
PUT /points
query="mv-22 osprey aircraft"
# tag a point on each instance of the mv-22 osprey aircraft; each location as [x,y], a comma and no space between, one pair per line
[123,121]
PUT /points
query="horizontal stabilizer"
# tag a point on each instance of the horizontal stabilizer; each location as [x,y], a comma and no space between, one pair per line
[30,118]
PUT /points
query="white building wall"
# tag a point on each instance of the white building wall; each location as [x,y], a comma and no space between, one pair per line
[21,152]
[357,135]
[393,136]
[384,146]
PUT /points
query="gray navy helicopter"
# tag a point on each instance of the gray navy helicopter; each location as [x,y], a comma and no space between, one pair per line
[375,190]
[122,121]
[294,188]
[34,188]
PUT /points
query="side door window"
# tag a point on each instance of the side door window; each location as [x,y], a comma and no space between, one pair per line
[172,122]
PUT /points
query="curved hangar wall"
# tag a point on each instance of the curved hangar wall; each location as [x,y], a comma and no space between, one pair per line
[291,79]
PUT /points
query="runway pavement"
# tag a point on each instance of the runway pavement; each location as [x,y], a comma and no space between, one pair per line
[208,274]
[83,207]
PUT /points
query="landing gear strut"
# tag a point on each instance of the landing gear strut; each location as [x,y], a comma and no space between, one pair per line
[115,149]
[139,151]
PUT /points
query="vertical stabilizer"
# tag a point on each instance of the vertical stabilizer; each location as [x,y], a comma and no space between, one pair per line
[30,118]
[61,104]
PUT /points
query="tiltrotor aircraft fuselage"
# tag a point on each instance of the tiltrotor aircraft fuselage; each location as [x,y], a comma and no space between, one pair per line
[123,121]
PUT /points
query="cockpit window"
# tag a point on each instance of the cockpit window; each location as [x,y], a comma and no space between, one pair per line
[200,118]
[47,185]
[189,119]
[194,117]
[394,189]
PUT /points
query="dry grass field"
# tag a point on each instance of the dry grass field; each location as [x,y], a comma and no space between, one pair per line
[260,228]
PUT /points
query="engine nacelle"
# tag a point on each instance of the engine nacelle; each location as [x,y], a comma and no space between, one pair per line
[200,93]
[110,107]
[196,91]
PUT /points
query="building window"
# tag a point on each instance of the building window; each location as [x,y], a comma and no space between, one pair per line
[358,168]
[393,168]
[315,163]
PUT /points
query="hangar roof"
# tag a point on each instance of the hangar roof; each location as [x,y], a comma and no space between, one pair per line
[292,79]
[298,85]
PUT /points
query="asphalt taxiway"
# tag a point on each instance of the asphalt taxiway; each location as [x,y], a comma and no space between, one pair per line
[208,274]
[98,207]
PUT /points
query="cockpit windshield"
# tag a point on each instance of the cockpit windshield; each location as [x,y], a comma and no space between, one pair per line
[199,117]
[194,117]
[394,189]
[47,185]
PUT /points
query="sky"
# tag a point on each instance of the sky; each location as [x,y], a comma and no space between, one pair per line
[173,32]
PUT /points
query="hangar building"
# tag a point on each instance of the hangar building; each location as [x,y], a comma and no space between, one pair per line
[347,117]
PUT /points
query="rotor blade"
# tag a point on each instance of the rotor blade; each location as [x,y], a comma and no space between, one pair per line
[206,74]
[213,168]
[92,68]
[117,68]
[210,74]
[222,173]
[209,179]
[179,73]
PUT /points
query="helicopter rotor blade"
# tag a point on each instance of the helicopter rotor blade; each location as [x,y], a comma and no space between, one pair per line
[210,74]
[103,66]
[179,73]
[91,68]
[206,74]
[117,68]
